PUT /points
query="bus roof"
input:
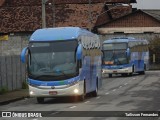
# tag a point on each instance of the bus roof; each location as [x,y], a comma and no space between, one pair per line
[121,39]
[59,33]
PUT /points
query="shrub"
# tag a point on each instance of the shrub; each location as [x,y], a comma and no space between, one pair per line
[24,85]
[3,90]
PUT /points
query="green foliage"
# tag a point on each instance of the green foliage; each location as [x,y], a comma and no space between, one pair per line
[24,85]
[3,90]
[154,45]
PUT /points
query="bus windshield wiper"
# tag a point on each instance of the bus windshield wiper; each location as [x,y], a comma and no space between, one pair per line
[43,76]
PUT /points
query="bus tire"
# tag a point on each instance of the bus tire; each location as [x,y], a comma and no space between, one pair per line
[110,75]
[143,72]
[130,74]
[123,74]
[95,93]
[40,100]
[82,97]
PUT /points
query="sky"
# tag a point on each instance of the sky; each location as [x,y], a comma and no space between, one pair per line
[147,4]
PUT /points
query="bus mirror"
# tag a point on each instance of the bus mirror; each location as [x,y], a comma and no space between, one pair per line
[102,54]
[128,52]
[79,52]
[23,54]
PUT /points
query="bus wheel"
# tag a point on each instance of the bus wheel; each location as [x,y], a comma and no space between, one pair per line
[124,74]
[130,74]
[142,72]
[82,97]
[95,93]
[40,99]
[110,75]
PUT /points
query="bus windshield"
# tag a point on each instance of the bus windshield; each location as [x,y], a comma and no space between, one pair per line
[115,54]
[52,60]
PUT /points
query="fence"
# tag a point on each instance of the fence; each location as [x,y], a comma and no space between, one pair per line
[12,71]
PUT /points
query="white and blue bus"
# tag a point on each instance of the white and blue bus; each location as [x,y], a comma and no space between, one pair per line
[63,61]
[125,56]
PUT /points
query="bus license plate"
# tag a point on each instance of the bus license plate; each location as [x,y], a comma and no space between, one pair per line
[53,92]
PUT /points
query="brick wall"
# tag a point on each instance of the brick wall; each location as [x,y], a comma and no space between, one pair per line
[112,12]
[120,11]
[2,2]
[76,14]
[28,18]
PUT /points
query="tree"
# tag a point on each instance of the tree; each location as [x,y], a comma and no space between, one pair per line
[154,49]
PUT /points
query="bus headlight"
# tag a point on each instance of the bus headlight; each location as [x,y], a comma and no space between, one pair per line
[31,92]
[76,91]
[103,71]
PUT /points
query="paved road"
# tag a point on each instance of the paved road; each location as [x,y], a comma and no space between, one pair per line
[136,93]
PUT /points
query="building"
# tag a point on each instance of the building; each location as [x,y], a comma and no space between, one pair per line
[141,24]
[22,16]
[139,21]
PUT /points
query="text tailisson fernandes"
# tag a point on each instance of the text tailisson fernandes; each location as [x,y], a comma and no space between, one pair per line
[141,114]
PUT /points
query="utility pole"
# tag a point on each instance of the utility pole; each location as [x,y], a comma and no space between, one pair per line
[54,12]
[90,16]
[44,13]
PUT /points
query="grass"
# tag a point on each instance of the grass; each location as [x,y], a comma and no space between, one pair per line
[24,85]
[3,90]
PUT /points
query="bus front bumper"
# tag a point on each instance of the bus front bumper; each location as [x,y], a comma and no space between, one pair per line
[117,71]
[58,91]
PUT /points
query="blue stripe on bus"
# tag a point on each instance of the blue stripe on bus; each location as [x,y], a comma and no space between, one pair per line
[53,82]
[139,65]
[116,66]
